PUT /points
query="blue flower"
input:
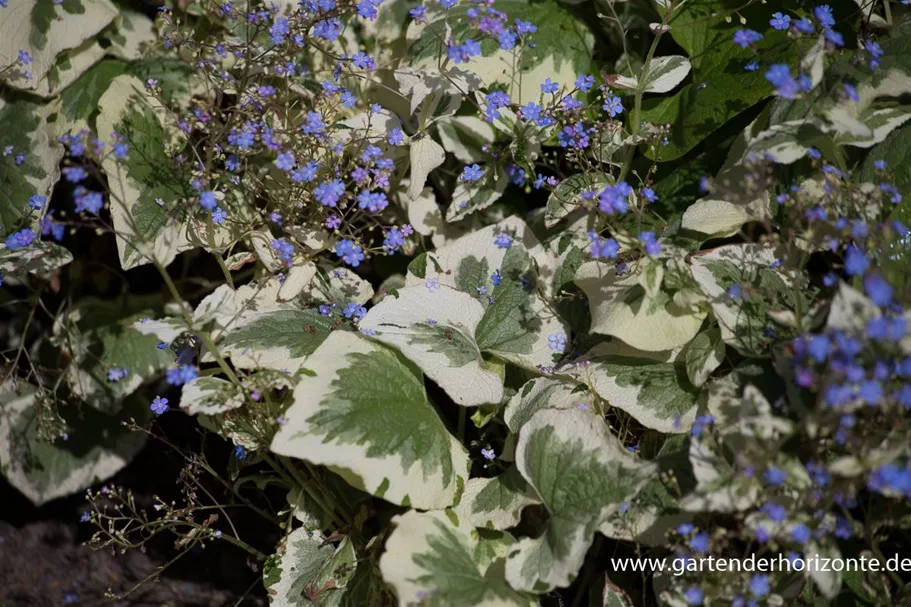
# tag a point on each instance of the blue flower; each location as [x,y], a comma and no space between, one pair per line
[780,22]
[652,246]
[700,424]
[700,542]
[818,348]
[349,252]
[752,66]
[353,310]
[159,405]
[694,595]
[744,38]
[584,82]
[524,27]
[472,173]
[612,105]
[488,454]
[870,392]
[396,137]
[776,512]
[393,240]
[878,290]
[823,14]
[834,37]
[759,585]
[851,93]
[328,193]
[502,240]
[115,374]
[890,478]
[364,61]
[219,215]
[20,239]
[601,247]
[285,161]
[779,75]
[283,249]
[207,200]
[507,40]
[775,476]
[550,86]
[240,453]
[432,284]
[855,261]
[87,201]
[801,534]
[615,198]
[557,342]
[372,201]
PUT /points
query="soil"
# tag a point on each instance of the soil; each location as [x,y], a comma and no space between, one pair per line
[44,562]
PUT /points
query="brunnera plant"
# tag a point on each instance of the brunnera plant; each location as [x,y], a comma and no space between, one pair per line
[491,291]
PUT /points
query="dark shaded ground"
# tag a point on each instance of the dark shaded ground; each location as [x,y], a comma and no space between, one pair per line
[44,563]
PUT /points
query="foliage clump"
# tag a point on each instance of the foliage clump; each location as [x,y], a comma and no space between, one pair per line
[492,292]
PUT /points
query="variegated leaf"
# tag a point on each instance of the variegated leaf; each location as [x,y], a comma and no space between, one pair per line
[348,416]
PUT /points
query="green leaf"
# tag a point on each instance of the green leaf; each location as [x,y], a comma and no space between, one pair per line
[703,355]
[565,198]
[79,102]
[496,503]
[543,393]
[721,88]
[563,46]
[614,596]
[464,136]
[766,289]
[26,130]
[45,30]
[655,510]
[418,266]
[651,387]
[146,230]
[40,257]
[468,198]
[366,414]
[70,65]
[131,36]
[897,154]
[309,572]
[620,307]
[210,395]
[432,559]
[436,330]
[279,339]
[517,325]
[582,474]
[664,73]
[97,447]
[426,155]
[98,336]
[176,79]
